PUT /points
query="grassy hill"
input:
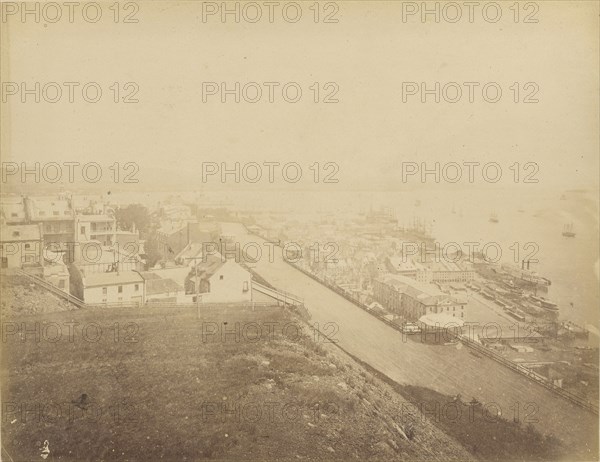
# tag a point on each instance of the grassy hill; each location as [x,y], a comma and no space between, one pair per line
[162,384]
[20,296]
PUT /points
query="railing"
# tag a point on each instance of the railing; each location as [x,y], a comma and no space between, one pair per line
[280,295]
[46,285]
[176,305]
[574,398]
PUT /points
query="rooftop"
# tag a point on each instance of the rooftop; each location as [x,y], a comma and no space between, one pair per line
[209,267]
[160,286]
[105,279]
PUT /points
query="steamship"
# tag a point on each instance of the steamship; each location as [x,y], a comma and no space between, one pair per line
[523,273]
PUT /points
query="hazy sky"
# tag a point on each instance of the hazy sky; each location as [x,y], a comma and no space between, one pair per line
[368,53]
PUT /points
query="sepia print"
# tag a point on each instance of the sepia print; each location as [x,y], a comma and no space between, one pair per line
[299,230]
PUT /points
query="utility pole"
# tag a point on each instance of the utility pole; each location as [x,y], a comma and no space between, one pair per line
[197,281]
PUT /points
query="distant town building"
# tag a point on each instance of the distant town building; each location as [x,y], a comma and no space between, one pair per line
[441,272]
[57,273]
[91,257]
[20,245]
[56,217]
[101,228]
[12,209]
[413,299]
[172,239]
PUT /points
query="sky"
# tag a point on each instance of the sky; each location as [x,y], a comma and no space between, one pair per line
[171,54]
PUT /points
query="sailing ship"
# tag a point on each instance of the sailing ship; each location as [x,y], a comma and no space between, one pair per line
[568,230]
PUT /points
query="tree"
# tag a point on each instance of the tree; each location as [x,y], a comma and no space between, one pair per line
[152,252]
[133,214]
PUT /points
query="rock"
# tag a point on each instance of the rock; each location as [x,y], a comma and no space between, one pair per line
[399,430]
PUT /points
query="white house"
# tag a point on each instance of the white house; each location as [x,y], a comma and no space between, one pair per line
[121,287]
[218,280]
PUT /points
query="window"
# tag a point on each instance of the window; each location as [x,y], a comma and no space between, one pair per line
[27,246]
[462,315]
[61,284]
[55,213]
[42,213]
[245,288]
[120,289]
[104,290]
[13,214]
[67,212]
[82,230]
[221,277]
[137,287]
[16,233]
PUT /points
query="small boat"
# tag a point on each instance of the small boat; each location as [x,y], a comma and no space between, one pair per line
[568,230]
[545,303]
[494,218]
